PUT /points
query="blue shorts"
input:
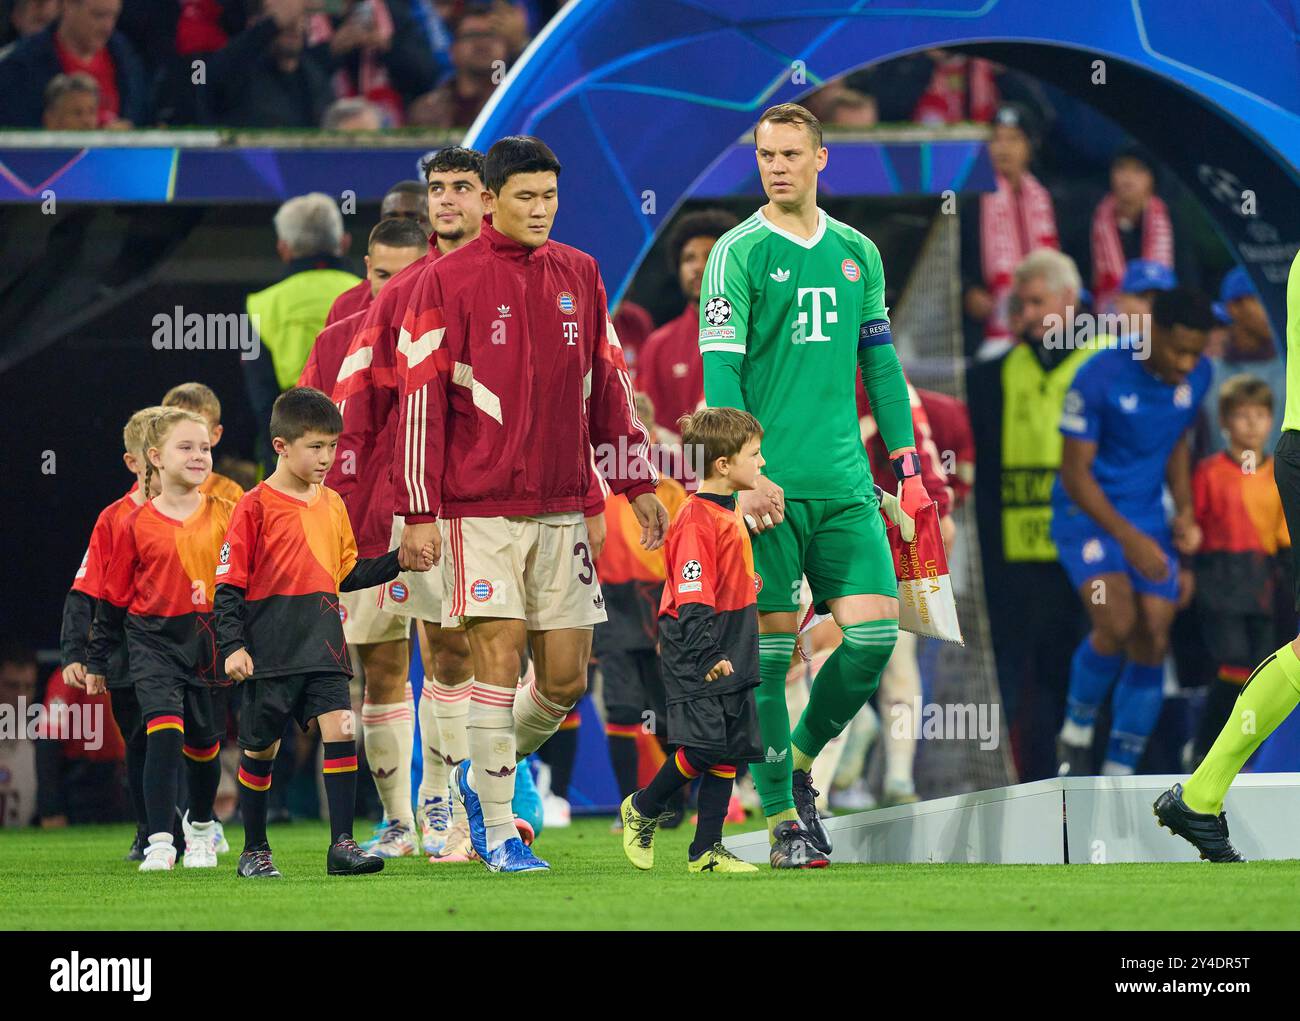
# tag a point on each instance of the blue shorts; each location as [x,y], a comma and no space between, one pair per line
[1089,555]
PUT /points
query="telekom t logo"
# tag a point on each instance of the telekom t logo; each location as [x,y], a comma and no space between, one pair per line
[818,319]
[570,332]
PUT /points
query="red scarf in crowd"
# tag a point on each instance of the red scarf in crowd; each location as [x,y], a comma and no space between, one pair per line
[1012,224]
[955,78]
[1108,254]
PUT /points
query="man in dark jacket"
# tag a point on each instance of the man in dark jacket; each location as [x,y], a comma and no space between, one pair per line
[83,40]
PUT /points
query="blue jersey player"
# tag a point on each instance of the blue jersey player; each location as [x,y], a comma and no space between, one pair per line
[1125,426]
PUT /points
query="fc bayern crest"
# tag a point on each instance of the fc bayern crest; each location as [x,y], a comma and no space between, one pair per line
[851,271]
[717,311]
[343,613]
[758,584]
[481,590]
[565,300]
[691,570]
[399,592]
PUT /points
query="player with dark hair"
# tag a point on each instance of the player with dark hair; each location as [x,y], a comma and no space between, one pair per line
[1125,426]
[403,201]
[1194,811]
[288,554]
[512,372]
[670,370]
[792,308]
[364,474]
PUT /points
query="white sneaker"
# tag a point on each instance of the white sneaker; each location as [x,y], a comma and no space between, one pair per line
[219,843]
[397,841]
[435,822]
[159,856]
[854,798]
[556,812]
[200,847]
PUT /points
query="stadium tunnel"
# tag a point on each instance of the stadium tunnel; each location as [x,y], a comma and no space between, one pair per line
[648,121]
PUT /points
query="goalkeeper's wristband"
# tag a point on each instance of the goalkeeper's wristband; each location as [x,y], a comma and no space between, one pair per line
[906,465]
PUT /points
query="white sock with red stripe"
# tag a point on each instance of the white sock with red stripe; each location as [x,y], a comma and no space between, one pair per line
[536,718]
[444,711]
[491,732]
[390,742]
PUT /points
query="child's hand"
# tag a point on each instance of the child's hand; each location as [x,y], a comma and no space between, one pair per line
[426,558]
[1186,534]
[96,684]
[239,665]
[721,668]
[74,675]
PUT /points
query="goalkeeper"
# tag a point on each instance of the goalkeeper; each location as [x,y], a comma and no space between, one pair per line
[792,305]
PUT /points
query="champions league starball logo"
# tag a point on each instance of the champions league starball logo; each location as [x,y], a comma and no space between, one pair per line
[717,311]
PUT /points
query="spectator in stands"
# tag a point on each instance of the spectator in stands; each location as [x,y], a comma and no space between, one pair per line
[671,371]
[1131,222]
[80,759]
[961,88]
[353,114]
[1015,403]
[268,77]
[843,106]
[510,22]
[26,17]
[71,103]
[83,39]
[310,240]
[1250,349]
[1002,229]
[480,55]
[17,751]
[382,56]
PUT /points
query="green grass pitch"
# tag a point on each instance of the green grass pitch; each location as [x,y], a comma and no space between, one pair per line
[75,879]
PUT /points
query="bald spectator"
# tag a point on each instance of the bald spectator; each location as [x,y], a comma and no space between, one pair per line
[480,55]
[353,114]
[71,103]
[84,40]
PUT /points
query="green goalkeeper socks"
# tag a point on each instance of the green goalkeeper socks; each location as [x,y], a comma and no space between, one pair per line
[1268,697]
[772,776]
[846,680]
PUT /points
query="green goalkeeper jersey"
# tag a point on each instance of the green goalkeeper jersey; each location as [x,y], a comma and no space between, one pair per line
[783,317]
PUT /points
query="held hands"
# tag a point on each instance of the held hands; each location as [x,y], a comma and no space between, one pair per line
[722,668]
[418,543]
[653,515]
[763,506]
[239,665]
[74,675]
[96,684]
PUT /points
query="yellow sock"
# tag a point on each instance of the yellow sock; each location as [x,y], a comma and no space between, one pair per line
[773,821]
[1268,697]
[800,759]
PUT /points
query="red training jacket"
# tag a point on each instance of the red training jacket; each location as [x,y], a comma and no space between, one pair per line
[512,371]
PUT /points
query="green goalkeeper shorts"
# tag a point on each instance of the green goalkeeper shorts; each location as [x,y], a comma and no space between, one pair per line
[839,544]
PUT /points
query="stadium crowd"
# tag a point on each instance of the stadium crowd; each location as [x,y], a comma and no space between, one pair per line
[1082,222]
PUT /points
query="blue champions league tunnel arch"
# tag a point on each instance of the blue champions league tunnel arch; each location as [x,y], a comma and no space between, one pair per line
[639,97]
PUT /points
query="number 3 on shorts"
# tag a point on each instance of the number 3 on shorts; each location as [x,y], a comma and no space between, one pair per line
[587,574]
